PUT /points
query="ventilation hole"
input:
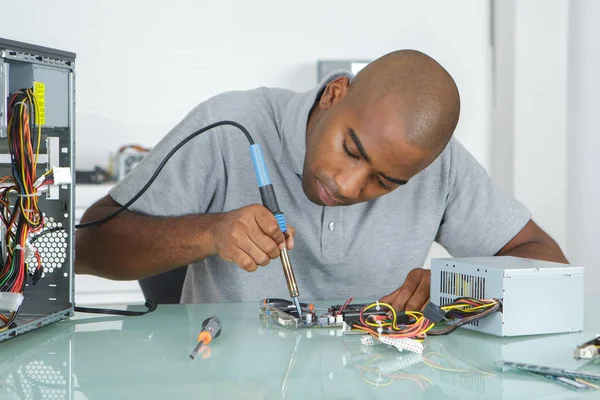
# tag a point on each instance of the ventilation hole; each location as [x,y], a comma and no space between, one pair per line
[60,224]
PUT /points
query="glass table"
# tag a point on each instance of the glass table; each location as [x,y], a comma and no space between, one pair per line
[147,357]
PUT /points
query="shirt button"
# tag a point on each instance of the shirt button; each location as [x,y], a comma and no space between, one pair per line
[331,225]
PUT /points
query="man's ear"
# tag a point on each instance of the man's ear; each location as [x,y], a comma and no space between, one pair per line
[334,92]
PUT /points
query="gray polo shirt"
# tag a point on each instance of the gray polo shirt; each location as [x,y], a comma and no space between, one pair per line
[364,250]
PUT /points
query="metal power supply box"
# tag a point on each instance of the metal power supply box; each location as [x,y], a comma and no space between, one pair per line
[538,297]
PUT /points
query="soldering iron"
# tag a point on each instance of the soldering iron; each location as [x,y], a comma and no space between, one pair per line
[267,195]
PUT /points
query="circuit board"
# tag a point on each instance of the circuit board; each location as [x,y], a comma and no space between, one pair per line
[336,316]
[543,370]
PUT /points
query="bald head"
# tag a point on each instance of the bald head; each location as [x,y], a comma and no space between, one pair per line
[371,135]
[422,91]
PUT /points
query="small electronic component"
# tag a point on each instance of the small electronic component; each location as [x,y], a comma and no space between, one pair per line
[351,312]
[543,370]
[284,313]
[589,350]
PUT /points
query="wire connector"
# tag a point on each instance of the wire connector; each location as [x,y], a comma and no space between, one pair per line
[150,305]
[29,250]
[36,275]
[392,366]
[62,175]
[10,301]
[434,313]
[403,344]
[367,340]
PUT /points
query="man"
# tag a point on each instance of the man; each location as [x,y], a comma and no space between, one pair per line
[365,168]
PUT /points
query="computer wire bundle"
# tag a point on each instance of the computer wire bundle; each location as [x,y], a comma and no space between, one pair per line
[433,320]
[19,209]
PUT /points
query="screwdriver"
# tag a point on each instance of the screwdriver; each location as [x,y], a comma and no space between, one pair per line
[211,328]
[267,194]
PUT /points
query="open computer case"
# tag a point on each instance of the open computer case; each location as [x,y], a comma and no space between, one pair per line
[37,155]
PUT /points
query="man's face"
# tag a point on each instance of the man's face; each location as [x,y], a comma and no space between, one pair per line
[356,152]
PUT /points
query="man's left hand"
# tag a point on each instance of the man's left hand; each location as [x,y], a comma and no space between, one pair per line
[413,295]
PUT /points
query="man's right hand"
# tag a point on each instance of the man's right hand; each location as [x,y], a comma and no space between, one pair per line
[250,236]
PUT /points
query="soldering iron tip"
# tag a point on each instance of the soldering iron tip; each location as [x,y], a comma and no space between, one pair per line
[298,306]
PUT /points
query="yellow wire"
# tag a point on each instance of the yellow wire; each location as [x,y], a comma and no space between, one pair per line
[470,308]
[587,383]
[7,326]
[429,328]
[484,372]
[380,304]
[34,105]
[442,368]
[36,109]
[426,378]
[377,384]
[37,150]
[433,353]
[22,146]
[29,200]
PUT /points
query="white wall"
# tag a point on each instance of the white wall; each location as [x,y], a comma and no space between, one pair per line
[584,140]
[545,137]
[142,65]
[529,156]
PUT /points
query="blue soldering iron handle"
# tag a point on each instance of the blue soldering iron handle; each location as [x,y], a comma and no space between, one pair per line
[267,194]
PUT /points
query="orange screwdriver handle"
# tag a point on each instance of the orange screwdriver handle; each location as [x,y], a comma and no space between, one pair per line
[205,337]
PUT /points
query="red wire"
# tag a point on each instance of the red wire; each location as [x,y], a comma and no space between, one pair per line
[345,305]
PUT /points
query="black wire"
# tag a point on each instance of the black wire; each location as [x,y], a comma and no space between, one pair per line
[150,306]
[467,320]
[160,167]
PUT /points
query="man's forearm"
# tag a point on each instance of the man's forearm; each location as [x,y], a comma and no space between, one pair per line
[539,250]
[132,246]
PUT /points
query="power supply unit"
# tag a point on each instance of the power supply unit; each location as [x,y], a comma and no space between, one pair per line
[538,297]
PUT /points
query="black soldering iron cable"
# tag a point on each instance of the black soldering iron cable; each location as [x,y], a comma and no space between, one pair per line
[161,166]
[150,305]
